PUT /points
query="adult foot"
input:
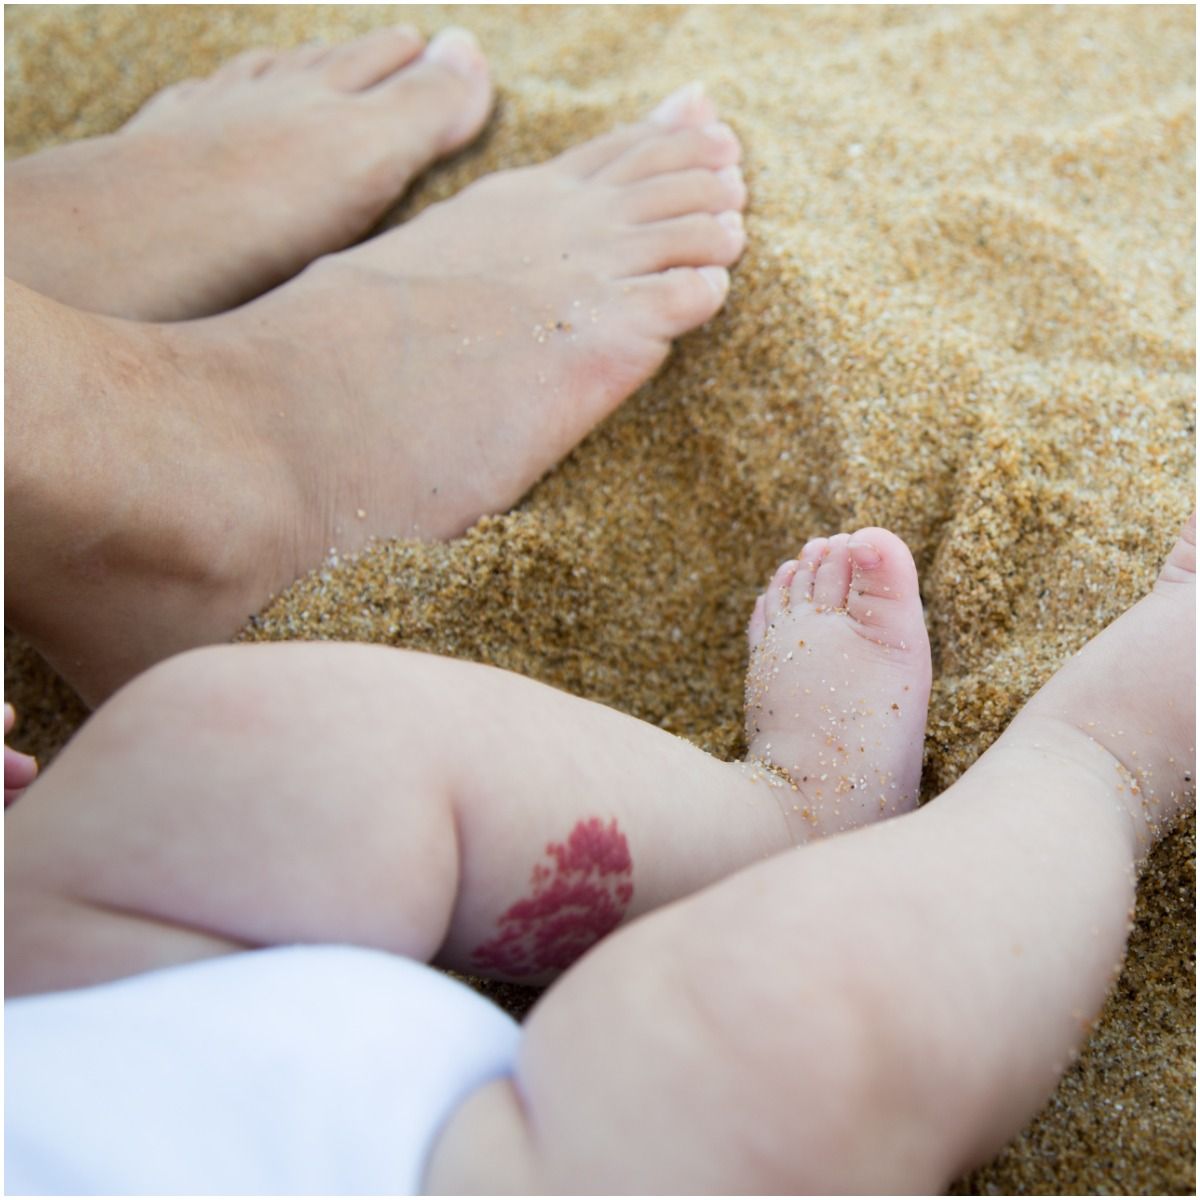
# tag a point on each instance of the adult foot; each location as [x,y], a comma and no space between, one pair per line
[1125,705]
[219,189]
[838,685]
[434,373]
[405,387]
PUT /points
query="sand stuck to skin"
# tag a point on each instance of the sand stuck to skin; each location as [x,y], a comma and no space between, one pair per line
[966,313]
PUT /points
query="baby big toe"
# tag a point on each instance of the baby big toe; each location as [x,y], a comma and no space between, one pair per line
[884,592]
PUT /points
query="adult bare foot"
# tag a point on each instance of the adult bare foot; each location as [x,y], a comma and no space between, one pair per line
[1125,706]
[838,686]
[221,188]
[402,388]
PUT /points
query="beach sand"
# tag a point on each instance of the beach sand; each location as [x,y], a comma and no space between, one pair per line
[966,313]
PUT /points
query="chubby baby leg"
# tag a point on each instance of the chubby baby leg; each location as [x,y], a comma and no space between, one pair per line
[251,795]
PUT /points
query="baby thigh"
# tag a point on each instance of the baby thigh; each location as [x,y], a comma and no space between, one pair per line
[233,797]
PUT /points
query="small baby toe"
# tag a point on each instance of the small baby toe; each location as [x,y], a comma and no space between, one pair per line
[810,561]
[757,628]
[832,582]
[779,590]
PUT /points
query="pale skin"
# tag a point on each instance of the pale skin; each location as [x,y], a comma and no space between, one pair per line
[886,1006]
[403,387]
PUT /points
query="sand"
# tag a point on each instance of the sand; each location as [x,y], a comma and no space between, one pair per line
[966,313]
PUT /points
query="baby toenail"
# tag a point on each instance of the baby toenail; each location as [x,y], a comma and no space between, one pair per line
[732,221]
[865,555]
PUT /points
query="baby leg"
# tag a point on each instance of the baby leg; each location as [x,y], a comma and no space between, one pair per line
[886,1009]
[251,795]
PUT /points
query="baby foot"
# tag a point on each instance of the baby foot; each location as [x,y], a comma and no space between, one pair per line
[1125,705]
[221,188]
[838,685]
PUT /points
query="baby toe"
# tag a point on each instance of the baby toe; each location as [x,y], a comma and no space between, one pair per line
[779,590]
[885,595]
[811,556]
[757,628]
[832,581]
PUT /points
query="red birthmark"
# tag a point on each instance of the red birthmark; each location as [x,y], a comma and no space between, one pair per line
[576,898]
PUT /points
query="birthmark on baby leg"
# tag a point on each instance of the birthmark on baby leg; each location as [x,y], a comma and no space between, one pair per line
[578,894]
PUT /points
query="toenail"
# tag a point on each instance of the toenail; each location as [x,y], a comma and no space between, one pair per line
[865,555]
[718,280]
[457,50]
[718,129]
[676,108]
[732,221]
[732,176]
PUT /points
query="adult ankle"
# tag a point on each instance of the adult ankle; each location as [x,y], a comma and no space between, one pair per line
[138,505]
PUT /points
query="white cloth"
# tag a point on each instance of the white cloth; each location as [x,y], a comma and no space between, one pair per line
[300,1069]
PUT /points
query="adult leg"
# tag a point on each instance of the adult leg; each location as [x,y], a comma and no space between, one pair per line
[886,1009]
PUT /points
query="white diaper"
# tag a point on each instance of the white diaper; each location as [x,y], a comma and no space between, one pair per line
[300,1069]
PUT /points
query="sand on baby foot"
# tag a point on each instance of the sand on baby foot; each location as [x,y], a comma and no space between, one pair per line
[966,314]
[838,684]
